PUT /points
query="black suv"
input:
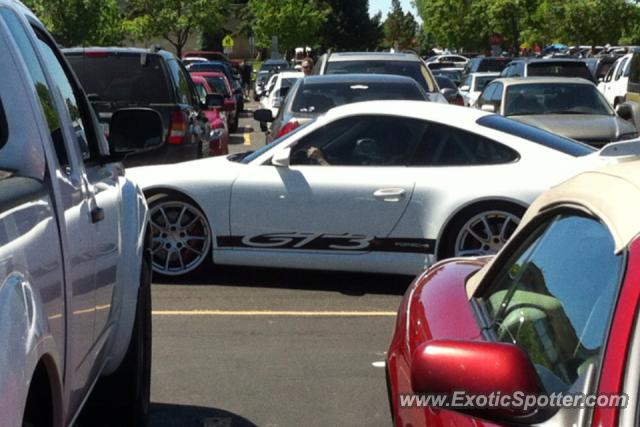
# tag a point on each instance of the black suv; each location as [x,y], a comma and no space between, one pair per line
[481,64]
[116,78]
[553,67]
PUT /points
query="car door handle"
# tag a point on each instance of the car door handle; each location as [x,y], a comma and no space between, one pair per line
[97,214]
[389,194]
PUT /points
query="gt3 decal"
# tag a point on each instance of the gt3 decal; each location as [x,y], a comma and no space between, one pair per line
[328,242]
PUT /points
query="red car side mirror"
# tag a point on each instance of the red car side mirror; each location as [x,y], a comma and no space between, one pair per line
[229,104]
[448,367]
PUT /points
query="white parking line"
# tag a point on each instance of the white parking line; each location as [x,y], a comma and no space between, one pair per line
[289,313]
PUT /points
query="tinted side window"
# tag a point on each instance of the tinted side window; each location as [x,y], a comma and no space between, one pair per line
[487,93]
[71,98]
[555,296]
[621,68]
[41,86]
[442,145]
[183,90]
[496,96]
[361,141]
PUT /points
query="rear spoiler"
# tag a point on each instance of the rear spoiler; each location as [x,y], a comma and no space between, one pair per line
[627,148]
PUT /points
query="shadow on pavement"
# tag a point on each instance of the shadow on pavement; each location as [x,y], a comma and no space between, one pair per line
[236,139]
[171,415]
[355,284]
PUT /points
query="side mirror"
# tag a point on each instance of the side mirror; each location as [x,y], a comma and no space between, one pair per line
[449,93]
[281,158]
[214,100]
[465,88]
[134,130]
[488,367]
[263,115]
[625,111]
[490,108]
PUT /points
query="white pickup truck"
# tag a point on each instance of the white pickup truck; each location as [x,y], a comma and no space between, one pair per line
[75,316]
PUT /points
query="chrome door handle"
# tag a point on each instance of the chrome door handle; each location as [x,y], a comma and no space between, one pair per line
[389,194]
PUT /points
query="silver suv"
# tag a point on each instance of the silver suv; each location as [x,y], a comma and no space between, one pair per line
[402,64]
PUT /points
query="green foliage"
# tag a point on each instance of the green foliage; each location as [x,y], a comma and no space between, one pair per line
[81,22]
[295,22]
[173,20]
[400,28]
[467,24]
[349,27]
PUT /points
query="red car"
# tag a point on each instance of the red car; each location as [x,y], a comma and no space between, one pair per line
[219,83]
[219,138]
[521,337]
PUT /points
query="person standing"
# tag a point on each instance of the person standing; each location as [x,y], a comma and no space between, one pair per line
[307,66]
[246,71]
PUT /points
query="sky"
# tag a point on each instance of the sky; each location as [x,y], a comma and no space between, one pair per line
[384,6]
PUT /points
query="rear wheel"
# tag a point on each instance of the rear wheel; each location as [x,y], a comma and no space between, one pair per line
[180,233]
[481,230]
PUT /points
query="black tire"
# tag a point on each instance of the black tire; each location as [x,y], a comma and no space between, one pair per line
[263,127]
[123,398]
[454,228]
[233,127]
[191,263]
[256,98]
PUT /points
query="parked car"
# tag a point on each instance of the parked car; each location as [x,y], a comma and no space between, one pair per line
[378,186]
[614,84]
[209,55]
[449,90]
[187,61]
[219,136]
[482,64]
[315,95]
[453,74]
[630,109]
[276,94]
[267,69]
[473,85]
[219,84]
[554,312]
[457,60]
[75,271]
[567,106]
[116,78]
[561,67]
[403,64]
[226,69]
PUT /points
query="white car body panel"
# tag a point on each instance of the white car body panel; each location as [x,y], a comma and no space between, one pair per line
[471,96]
[272,101]
[297,205]
[615,84]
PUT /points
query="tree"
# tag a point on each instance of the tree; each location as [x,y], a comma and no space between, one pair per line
[597,22]
[295,22]
[400,28]
[174,20]
[81,22]
[349,26]
[456,24]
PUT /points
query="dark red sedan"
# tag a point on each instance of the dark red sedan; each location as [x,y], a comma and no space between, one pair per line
[542,333]
[219,137]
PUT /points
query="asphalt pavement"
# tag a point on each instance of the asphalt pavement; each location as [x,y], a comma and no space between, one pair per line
[238,346]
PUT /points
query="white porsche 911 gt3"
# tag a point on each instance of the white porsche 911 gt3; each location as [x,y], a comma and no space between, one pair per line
[384,186]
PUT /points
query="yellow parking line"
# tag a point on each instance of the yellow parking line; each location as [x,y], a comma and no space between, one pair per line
[247,139]
[289,313]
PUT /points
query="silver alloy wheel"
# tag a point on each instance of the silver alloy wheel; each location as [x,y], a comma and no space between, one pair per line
[485,233]
[180,237]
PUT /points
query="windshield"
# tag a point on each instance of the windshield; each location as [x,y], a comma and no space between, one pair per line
[555,98]
[560,69]
[219,85]
[495,64]
[537,135]
[321,97]
[413,69]
[252,155]
[121,78]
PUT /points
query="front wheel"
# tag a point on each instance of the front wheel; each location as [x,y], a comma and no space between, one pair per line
[482,230]
[181,236]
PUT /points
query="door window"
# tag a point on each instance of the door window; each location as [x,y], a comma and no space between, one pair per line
[496,97]
[442,145]
[42,88]
[181,81]
[555,296]
[621,68]
[487,93]
[359,141]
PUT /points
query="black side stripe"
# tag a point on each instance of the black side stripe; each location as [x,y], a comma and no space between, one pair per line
[377,244]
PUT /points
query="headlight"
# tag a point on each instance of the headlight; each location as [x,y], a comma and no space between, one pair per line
[625,136]
[216,133]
